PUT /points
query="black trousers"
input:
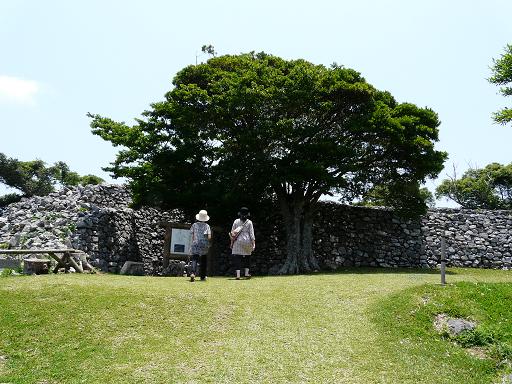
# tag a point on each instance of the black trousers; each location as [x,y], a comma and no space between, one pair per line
[202,260]
[241,261]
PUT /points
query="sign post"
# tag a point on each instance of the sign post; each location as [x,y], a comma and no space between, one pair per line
[176,242]
[443,261]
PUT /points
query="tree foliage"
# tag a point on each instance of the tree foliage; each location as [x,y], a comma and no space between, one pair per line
[486,188]
[502,76]
[255,127]
[34,178]
[380,196]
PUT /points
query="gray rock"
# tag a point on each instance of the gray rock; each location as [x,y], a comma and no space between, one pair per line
[457,326]
[14,241]
[132,268]
[11,263]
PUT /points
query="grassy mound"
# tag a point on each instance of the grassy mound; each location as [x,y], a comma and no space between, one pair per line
[406,323]
[359,326]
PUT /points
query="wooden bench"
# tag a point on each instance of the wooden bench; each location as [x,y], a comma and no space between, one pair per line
[63,257]
[37,266]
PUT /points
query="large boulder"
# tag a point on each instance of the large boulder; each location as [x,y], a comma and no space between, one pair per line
[452,326]
[132,268]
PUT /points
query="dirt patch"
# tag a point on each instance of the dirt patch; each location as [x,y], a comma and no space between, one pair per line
[441,322]
[478,352]
[3,360]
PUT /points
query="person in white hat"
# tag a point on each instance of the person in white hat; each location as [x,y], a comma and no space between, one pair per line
[201,236]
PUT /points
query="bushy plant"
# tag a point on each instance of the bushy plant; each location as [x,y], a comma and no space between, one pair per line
[6,272]
[501,351]
[9,198]
[478,337]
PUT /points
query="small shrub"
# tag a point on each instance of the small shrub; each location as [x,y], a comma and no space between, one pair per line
[52,216]
[4,245]
[23,239]
[477,337]
[501,351]
[6,272]
[10,198]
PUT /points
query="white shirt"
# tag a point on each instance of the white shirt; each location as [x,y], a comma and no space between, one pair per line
[243,243]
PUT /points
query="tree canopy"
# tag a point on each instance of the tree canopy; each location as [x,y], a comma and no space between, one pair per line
[34,178]
[485,188]
[255,127]
[379,196]
[502,76]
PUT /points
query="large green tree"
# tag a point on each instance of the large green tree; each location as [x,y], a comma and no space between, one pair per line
[253,127]
[486,188]
[502,76]
[35,178]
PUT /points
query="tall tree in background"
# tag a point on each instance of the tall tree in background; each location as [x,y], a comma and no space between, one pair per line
[34,178]
[502,76]
[486,188]
[255,126]
[380,196]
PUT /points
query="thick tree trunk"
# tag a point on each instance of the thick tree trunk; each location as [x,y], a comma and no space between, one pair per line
[298,219]
[310,262]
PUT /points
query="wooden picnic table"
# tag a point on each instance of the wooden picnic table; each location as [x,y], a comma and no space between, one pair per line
[64,257]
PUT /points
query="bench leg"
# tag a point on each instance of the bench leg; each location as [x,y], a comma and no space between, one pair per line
[60,262]
[73,263]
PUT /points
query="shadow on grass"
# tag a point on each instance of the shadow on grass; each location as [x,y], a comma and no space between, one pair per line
[341,271]
[377,270]
[368,271]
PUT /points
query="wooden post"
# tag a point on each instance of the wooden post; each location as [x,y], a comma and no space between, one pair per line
[443,261]
[167,246]
[73,263]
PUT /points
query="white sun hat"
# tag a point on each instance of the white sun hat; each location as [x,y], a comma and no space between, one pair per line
[202,215]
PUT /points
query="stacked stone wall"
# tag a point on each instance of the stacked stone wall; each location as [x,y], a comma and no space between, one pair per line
[99,221]
[346,236]
[474,238]
[357,236]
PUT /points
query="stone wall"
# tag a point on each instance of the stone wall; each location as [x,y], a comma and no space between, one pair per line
[52,221]
[99,221]
[474,238]
[347,236]
[358,236]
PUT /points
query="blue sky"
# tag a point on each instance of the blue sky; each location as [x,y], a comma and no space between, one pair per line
[62,59]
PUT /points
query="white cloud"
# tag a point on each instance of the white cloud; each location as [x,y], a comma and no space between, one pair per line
[18,90]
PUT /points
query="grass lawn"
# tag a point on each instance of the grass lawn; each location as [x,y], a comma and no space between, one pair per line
[359,326]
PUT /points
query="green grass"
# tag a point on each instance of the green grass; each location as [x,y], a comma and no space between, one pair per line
[360,326]
[405,321]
